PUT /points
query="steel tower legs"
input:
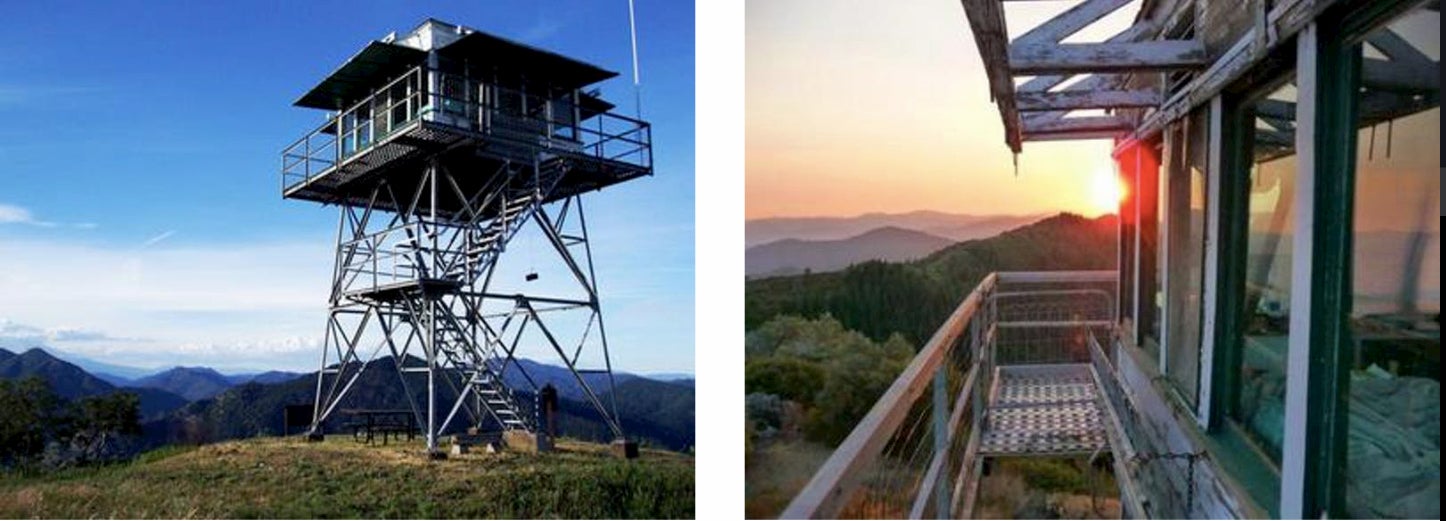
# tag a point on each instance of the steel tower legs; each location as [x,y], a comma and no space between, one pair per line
[426,279]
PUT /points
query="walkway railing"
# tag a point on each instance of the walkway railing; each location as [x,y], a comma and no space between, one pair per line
[569,123]
[910,456]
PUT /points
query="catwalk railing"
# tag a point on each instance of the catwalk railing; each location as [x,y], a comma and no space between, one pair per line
[573,123]
[910,455]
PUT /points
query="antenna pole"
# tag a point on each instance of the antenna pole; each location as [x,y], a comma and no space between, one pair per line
[637,83]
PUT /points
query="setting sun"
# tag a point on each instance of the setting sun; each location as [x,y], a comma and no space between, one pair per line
[1106,192]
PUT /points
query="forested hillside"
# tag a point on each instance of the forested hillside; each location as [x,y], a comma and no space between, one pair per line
[879,299]
[822,348]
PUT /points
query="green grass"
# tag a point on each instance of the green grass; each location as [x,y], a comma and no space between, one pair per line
[290,479]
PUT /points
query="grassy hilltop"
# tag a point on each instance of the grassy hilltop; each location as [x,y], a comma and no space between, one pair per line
[290,479]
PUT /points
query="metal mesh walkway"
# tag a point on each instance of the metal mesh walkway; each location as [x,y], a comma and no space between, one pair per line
[1038,410]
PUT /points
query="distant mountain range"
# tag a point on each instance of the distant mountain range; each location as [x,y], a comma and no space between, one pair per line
[955,227]
[192,383]
[71,382]
[880,299]
[794,245]
[794,256]
[201,404]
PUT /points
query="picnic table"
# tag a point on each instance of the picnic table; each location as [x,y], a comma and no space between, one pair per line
[386,422]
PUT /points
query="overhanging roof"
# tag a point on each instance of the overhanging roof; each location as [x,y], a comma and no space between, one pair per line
[515,58]
[367,70]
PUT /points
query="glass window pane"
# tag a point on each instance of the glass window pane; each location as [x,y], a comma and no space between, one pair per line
[1126,303]
[1266,335]
[1186,251]
[1148,191]
[1394,430]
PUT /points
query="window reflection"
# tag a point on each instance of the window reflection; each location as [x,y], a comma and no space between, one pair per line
[1266,337]
[1394,430]
[1189,142]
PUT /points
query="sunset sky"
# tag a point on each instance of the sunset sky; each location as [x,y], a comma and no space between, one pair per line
[858,106]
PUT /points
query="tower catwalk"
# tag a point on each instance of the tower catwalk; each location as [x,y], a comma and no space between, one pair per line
[443,146]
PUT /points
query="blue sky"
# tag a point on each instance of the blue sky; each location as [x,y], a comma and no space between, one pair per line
[140,215]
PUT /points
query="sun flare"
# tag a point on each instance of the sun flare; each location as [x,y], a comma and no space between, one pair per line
[1107,190]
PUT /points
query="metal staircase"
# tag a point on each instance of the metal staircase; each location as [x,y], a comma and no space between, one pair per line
[482,377]
[515,205]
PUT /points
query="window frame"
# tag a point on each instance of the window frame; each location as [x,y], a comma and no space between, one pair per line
[1226,318]
[1343,28]
[1312,481]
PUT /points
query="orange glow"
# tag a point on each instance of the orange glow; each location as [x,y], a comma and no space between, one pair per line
[884,107]
[1107,191]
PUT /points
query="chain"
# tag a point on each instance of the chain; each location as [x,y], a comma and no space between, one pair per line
[1190,459]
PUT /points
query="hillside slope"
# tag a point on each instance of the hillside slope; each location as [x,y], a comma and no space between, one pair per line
[290,479]
[791,256]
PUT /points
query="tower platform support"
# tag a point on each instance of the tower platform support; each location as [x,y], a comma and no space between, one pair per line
[421,287]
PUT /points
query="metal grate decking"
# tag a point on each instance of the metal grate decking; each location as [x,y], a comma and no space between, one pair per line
[1044,410]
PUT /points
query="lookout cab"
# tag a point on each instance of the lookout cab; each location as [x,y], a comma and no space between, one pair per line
[460,100]
[439,147]
[1269,343]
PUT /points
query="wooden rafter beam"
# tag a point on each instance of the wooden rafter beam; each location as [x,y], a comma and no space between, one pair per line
[1083,58]
[1069,22]
[1086,99]
[986,22]
[1394,76]
[1041,83]
[1093,127]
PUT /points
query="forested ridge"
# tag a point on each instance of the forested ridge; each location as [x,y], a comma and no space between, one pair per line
[879,299]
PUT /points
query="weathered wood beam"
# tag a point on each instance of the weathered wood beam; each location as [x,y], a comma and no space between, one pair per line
[1069,22]
[1076,58]
[986,22]
[1133,33]
[1377,106]
[1086,99]
[1073,136]
[1093,126]
[1397,48]
[1284,20]
[1276,109]
[1390,75]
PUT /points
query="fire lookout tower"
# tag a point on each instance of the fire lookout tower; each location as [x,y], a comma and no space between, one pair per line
[440,146]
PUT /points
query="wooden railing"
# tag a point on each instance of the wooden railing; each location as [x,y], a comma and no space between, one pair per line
[908,455]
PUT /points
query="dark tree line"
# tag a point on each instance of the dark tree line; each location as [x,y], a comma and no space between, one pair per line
[38,427]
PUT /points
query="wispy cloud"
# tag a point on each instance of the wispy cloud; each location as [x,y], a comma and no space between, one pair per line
[158,238]
[224,304]
[16,334]
[12,214]
[543,29]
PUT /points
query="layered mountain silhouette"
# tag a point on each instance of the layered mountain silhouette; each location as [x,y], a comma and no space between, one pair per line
[239,406]
[658,413]
[796,245]
[793,256]
[192,383]
[71,382]
[952,226]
